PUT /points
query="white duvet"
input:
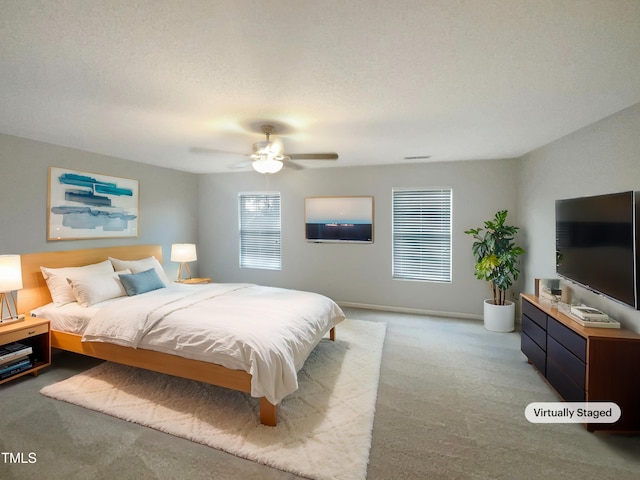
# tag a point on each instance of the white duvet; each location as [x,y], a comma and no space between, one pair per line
[267,332]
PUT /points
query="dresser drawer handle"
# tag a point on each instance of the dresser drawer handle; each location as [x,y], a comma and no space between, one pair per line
[31,332]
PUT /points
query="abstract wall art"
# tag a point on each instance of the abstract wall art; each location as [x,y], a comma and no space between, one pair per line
[88,205]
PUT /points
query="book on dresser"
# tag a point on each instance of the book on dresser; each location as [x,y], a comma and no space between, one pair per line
[588,313]
[13,352]
[602,323]
[591,317]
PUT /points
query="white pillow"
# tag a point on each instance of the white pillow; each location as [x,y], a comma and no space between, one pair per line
[137,266]
[95,289]
[59,287]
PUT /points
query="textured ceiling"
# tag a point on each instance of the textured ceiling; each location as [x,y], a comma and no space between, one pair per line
[161,82]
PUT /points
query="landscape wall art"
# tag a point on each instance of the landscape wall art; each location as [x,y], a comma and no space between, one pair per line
[339,219]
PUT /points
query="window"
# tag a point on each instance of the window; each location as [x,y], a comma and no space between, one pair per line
[260,230]
[422,234]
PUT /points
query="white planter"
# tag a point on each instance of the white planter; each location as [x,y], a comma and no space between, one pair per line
[499,318]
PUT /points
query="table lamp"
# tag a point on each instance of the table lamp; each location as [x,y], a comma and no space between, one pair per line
[183,253]
[10,281]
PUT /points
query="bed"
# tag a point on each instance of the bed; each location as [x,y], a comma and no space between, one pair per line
[171,308]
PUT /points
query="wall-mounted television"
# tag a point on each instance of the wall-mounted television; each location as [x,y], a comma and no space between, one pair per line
[596,244]
[339,219]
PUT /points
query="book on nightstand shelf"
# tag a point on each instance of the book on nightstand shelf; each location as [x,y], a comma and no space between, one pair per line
[15,367]
[13,352]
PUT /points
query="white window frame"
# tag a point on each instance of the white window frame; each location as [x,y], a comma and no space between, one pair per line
[259,231]
[421,226]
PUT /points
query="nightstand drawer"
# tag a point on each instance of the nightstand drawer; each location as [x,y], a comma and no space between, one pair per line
[23,333]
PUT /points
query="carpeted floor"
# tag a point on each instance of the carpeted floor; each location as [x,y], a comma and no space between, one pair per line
[450,405]
[324,428]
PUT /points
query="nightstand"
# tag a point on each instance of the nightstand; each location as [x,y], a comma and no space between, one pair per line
[33,333]
[194,281]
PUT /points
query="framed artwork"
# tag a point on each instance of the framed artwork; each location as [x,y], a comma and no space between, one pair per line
[338,219]
[87,205]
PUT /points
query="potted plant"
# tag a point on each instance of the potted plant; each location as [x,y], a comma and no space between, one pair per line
[497,259]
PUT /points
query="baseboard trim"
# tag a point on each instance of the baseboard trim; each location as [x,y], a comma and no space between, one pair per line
[417,311]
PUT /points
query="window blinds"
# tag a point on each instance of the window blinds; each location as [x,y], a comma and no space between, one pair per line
[422,234]
[260,230]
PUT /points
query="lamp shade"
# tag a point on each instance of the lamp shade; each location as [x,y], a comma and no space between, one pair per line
[183,252]
[10,273]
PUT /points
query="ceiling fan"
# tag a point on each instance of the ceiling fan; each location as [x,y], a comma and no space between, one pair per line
[268,155]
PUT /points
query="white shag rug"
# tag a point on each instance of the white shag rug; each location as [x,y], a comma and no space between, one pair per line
[324,428]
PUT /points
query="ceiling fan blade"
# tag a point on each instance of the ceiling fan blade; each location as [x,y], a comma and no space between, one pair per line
[313,156]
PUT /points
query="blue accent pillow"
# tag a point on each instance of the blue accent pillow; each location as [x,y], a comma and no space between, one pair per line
[137,283]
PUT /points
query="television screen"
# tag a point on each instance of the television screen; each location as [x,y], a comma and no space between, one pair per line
[339,219]
[595,244]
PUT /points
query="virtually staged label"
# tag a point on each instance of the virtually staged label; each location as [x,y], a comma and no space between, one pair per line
[572,412]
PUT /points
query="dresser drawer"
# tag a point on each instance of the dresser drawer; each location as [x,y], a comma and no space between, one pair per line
[568,390]
[534,353]
[535,314]
[571,366]
[535,332]
[569,339]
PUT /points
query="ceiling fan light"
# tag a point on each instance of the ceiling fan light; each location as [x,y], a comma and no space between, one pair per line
[267,165]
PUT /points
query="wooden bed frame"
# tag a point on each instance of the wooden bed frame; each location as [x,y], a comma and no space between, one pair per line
[35,294]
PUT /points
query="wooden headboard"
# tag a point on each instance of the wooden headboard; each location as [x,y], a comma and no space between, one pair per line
[35,292]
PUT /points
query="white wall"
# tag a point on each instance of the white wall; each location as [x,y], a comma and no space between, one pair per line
[168,198]
[359,274]
[601,158]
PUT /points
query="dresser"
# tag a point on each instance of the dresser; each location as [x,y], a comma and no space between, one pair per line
[584,364]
